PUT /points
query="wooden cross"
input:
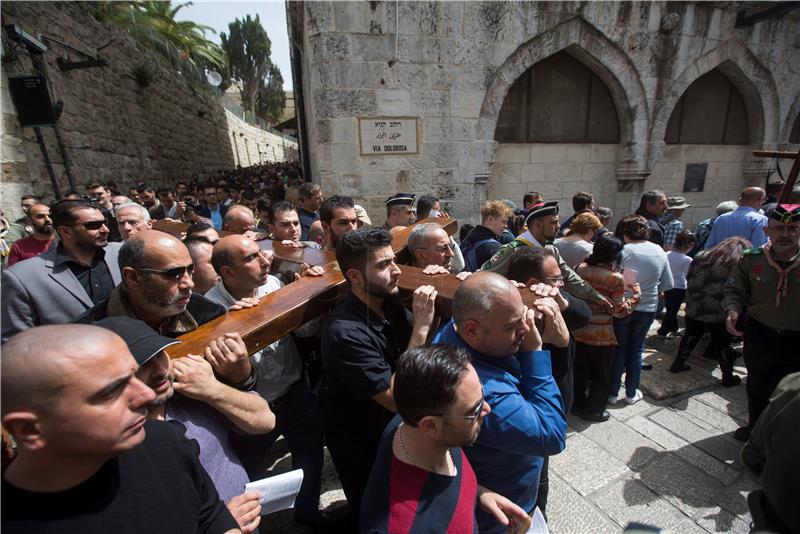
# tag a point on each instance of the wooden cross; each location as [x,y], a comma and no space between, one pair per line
[283,311]
[792,178]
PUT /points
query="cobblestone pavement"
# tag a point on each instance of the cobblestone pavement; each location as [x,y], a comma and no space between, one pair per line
[669,460]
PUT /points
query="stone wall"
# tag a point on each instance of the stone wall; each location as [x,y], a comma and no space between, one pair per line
[252,145]
[450,64]
[112,127]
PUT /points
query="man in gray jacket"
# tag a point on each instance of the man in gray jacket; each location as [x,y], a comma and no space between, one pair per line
[68,279]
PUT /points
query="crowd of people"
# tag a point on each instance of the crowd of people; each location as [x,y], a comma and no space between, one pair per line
[432,423]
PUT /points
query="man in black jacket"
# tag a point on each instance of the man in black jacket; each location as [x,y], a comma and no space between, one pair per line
[484,240]
[652,207]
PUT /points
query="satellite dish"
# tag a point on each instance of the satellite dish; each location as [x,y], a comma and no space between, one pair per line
[213,77]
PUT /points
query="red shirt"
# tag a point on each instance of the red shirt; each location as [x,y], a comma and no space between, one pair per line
[27,247]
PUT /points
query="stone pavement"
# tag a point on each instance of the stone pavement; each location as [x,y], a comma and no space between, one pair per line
[669,460]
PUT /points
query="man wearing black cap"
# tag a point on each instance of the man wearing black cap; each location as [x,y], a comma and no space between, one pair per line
[542,223]
[89,461]
[399,211]
[766,282]
[208,409]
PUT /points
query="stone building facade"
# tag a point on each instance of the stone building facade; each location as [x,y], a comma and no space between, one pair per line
[452,66]
[113,127]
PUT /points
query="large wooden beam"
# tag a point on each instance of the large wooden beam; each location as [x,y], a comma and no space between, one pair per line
[792,178]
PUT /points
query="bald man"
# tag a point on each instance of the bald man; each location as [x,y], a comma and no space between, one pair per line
[527,420]
[157,288]
[745,221]
[88,460]
[244,270]
[238,220]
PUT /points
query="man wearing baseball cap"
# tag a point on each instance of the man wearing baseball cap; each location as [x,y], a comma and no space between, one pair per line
[208,409]
[767,282]
[88,460]
[672,223]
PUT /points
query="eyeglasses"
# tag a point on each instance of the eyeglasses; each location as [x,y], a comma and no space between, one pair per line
[90,225]
[556,281]
[472,417]
[176,273]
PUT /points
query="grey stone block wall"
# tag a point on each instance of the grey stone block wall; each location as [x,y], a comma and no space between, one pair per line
[451,64]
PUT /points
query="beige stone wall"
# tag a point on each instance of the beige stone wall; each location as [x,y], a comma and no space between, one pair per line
[451,64]
[560,170]
[113,128]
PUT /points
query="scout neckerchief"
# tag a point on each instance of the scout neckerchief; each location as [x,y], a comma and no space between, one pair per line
[783,274]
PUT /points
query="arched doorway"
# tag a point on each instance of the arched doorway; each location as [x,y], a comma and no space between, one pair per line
[558,132]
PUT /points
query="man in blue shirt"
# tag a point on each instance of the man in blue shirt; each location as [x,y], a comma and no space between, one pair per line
[527,419]
[745,221]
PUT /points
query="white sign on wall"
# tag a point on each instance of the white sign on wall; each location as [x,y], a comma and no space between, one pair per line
[388,136]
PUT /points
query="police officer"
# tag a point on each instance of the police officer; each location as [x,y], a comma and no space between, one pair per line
[766,281]
[399,210]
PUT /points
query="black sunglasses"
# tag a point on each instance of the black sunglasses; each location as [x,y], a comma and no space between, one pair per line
[91,225]
[176,273]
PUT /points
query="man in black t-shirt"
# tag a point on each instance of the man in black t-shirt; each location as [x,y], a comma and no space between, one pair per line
[362,338]
[88,462]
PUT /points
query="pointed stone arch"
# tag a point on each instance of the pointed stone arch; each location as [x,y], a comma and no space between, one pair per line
[791,119]
[606,60]
[753,81]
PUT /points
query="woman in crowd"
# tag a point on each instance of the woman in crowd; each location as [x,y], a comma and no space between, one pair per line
[651,270]
[679,262]
[596,342]
[577,244]
[707,275]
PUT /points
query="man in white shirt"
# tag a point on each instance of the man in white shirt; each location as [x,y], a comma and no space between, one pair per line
[244,269]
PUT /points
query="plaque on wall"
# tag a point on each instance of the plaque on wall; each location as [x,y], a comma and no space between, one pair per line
[695,180]
[388,136]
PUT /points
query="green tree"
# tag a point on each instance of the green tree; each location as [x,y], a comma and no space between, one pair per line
[249,63]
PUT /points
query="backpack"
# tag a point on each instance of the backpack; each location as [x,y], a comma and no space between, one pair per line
[470,253]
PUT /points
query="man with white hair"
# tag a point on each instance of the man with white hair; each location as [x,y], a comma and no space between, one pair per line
[132,218]
[428,244]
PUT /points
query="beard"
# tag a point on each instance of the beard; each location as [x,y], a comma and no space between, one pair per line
[164,304]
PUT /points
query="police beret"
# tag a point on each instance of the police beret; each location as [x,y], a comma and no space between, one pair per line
[541,210]
[401,199]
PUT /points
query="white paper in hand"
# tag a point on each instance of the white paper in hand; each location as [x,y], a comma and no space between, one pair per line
[278,492]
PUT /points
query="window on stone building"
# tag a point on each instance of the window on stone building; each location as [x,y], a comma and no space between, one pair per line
[558,100]
[710,112]
[794,137]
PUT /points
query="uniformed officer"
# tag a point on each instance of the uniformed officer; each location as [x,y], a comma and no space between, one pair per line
[766,281]
[399,210]
[542,223]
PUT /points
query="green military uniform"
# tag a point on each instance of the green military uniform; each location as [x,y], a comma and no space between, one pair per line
[771,455]
[769,290]
[573,283]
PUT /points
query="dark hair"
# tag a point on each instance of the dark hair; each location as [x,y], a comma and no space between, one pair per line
[181,182]
[307,189]
[94,185]
[164,189]
[526,262]
[221,257]
[280,206]
[208,185]
[31,197]
[581,201]
[248,194]
[726,253]
[355,247]
[425,204]
[635,228]
[607,250]
[651,197]
[262,204]
[329,204]
[685,239]
[64,212]
[530,195]
[426,380]
[224,188]
[196,228]
[145,188]
[464,231]
[131,254]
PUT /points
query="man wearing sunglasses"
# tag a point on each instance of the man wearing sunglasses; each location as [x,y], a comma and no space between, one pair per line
[421,476]
[157,288]
[527,421]
[65,281]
